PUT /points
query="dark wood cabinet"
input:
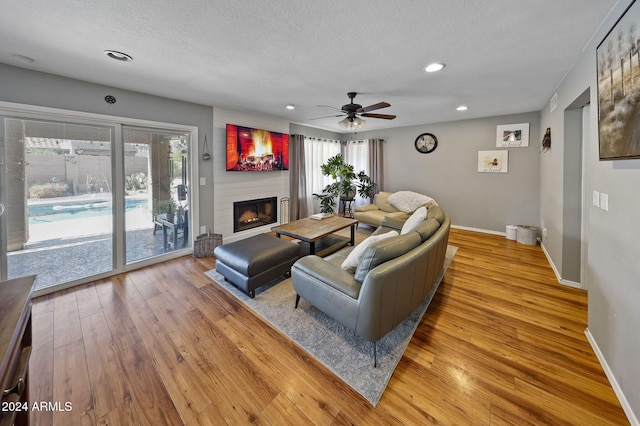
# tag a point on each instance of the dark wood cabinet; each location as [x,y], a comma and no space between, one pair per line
[15,349]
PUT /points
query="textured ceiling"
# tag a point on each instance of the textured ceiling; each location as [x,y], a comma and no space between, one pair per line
[502,56]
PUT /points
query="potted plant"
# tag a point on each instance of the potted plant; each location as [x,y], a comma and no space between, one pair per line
[346,183]
[166,207]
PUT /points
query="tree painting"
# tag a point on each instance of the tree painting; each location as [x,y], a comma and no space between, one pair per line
[618,61]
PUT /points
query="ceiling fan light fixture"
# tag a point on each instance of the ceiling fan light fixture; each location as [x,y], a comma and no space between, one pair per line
[352,123]
[434,67]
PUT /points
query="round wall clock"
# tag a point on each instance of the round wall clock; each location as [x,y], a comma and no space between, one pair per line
[426,143]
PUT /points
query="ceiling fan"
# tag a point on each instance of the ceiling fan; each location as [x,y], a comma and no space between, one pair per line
[352,113]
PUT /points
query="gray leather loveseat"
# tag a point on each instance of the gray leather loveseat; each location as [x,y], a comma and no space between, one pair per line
[393,278]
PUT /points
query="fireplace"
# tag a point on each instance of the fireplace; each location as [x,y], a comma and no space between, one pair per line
[253,213]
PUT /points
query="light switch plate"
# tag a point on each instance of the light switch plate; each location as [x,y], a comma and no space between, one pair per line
[203,181]
[604,201]
[596,198]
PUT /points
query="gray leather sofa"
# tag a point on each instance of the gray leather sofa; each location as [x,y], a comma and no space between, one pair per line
[393,278]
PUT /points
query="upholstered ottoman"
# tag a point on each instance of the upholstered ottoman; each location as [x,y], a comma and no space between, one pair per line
[255,261]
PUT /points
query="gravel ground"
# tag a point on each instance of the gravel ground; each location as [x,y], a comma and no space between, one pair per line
[62,260]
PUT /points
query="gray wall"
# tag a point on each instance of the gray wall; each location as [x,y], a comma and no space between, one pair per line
[612,273]
[487,201]
[24,86]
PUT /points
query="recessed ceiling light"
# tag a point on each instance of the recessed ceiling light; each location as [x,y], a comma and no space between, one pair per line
[291,106]
[462,108]
[436,66]
[118,56]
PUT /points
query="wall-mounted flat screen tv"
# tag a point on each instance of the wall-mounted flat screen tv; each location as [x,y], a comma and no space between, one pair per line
[254,150]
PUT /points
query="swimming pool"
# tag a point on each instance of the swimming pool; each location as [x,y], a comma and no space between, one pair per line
[77,209]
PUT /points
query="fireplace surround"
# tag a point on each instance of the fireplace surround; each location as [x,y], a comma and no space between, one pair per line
[254,213]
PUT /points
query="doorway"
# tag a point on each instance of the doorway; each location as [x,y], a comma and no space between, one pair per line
[574,239]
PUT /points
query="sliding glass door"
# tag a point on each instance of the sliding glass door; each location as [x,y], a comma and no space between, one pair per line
[58,200]
[81,200]
[156,192]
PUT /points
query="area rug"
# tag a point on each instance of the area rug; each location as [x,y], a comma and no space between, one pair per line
[345,353]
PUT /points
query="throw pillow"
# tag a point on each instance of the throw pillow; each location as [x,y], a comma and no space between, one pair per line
[416,219]
[408,201]
[350,264]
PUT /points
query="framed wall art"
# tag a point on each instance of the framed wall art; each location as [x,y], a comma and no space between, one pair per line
[493,161]
[618,67]
[512,135]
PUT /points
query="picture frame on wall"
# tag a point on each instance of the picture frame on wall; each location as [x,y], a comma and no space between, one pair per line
[512,135]
[493,161]
[618,68]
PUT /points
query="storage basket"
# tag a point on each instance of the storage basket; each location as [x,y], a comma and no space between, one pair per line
[527,235]
[204,244]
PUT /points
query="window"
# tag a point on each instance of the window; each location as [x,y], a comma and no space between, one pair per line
[356,153]
[318,151]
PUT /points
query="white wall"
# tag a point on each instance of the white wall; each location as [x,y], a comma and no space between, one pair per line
[240,186]
[612,273]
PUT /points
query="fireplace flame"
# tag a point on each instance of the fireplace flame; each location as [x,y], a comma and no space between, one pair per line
[262,145]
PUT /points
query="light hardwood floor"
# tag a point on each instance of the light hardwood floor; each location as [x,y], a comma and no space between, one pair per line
[502,343]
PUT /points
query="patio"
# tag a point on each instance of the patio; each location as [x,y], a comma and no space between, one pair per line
[60,251]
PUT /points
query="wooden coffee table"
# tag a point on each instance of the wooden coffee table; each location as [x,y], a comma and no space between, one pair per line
[312,230]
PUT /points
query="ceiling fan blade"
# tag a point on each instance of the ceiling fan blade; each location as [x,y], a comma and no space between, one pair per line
[327,116]
[379,105]
[383,116]
[329,106]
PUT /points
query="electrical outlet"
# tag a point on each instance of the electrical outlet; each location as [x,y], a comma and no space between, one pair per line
[544,232]
[203,181]
[596,198]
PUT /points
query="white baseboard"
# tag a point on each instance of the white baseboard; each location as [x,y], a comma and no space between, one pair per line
[484,231]
[626,407]
[570,283]
[561,280]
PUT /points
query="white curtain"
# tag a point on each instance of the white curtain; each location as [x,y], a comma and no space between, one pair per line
[316,153]
[356,153]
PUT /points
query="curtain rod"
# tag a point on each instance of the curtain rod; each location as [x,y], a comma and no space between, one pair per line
[336,140]
[323,139]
